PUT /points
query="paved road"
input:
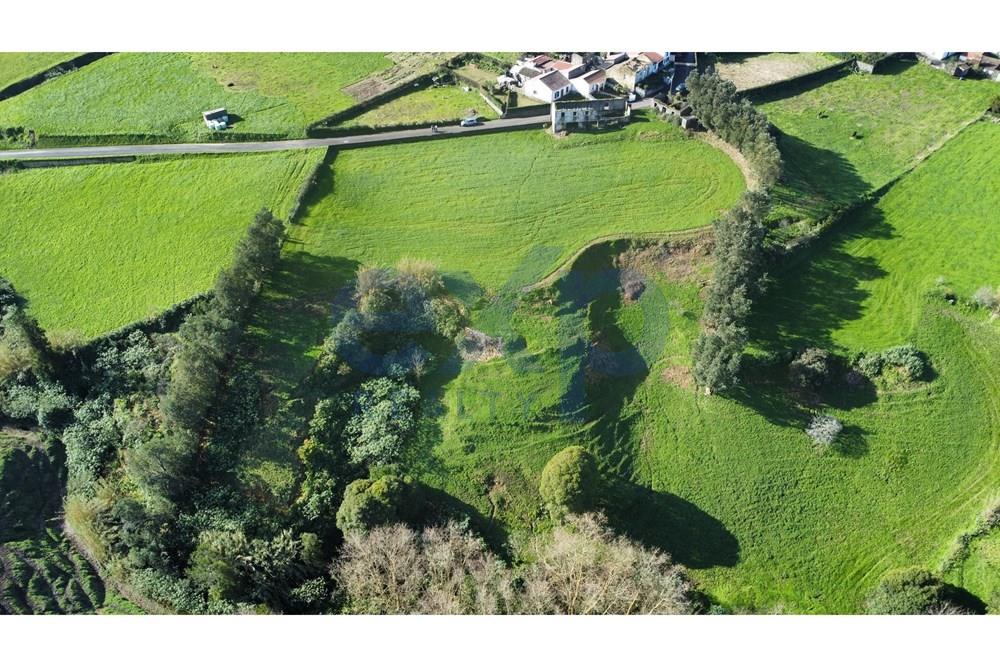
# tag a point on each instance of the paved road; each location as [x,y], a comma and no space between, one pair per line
[263,146]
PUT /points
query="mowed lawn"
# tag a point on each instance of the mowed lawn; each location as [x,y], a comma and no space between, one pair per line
[814,530]
[96,247]
[443,103]
[20,65]
[511,206]
[275,94]
[853,135]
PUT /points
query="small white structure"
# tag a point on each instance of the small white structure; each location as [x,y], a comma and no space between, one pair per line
[590,83]
[216,119]
[548,87]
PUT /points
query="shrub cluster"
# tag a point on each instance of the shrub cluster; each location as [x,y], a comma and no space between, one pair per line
[906,360]
[914,591]
[739,265]
[718,106]
[987,297]
[811,369]
[824,429]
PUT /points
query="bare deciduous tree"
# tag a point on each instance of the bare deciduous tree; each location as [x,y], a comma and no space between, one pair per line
[583,568]
[396,570]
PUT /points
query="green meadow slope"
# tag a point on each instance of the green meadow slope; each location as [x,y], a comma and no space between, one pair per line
[95,247]
[270,94]
[852,135]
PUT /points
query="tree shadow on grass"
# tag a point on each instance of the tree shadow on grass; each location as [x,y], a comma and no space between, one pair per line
[820,292]
[816,180]
[667,522]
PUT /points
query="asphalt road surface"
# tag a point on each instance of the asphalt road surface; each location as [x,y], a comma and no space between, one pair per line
[264,146]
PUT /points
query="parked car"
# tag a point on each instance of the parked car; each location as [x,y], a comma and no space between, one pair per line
[469,122]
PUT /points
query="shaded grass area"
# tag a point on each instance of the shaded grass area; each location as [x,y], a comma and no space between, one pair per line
[856,133]
[443,103]
[17,66]
[273,94]
[95,247]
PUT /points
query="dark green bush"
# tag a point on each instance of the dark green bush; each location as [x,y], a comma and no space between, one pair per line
[373,502]
[909,591]
[570,482]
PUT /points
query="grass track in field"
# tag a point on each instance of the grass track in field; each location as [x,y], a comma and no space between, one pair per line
[899,116]
[96,247]
[17,66]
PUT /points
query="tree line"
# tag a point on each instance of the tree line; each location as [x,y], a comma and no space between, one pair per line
[721,109]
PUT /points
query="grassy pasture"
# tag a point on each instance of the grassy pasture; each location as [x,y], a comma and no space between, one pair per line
[731,485]
[750,70]
[271,93]
[898,118]
[444,103]
[496,212]
[916,464]
[17,66]
[96,247]
[518,202]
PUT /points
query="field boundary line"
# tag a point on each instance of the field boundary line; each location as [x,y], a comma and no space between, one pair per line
[54,71]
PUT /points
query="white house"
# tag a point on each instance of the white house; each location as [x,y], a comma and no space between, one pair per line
[548,87]
[590,82]
[637,67]
[569,70]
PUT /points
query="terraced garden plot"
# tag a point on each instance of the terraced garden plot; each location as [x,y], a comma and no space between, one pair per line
[852,135]
[95,247]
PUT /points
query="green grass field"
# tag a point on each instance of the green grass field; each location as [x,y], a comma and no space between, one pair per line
[732,486]
[495,212]
[96,247]
[917,464]
[494,205]
[445,103]
[899,117]
[17,66]
[275,94]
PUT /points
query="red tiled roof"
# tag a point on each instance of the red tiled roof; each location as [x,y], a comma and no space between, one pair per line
[653,56]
